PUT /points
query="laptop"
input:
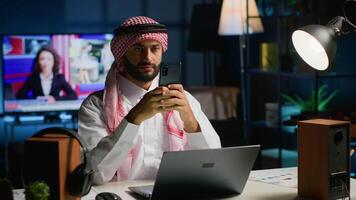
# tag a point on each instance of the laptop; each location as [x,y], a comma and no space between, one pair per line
[203,173]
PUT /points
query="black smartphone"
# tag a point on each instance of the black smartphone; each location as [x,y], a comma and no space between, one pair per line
[170,73]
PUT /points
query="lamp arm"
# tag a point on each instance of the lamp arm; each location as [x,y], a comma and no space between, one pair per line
[349,23]
[339,25]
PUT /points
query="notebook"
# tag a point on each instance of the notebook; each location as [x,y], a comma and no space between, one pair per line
[203,173]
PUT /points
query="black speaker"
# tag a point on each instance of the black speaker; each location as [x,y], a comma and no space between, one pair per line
[49,157]
[323,159]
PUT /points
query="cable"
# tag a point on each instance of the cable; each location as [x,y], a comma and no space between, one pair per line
[344,185]
[345,194]
[352,26]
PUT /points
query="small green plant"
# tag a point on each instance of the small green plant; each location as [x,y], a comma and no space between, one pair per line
[37,190]
[6,189]
[309,104]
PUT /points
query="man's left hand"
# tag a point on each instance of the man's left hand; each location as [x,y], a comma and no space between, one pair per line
[177,100]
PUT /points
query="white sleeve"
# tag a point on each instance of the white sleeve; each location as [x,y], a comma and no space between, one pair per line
[207,138]
[107,152]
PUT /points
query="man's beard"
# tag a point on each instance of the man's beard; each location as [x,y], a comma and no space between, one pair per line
[134,72]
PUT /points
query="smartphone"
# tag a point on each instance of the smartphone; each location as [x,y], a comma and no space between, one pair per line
[170,73]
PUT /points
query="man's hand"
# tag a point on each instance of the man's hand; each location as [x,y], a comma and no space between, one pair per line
[164,99]
[177,100]
[147,107]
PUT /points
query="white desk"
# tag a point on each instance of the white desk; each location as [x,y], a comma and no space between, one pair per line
[254,190]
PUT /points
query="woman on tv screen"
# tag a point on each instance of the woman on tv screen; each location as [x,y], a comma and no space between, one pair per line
[45,82]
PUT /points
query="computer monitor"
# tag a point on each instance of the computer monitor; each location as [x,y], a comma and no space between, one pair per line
[84,60]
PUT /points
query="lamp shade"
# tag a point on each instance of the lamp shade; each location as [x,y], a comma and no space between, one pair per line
[316,45]
[233,18]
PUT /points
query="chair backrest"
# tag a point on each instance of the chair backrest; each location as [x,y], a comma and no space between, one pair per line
[217,102]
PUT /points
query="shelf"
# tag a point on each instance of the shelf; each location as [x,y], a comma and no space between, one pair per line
[299,15]
[262,124]
[289,157]
[284,128]
[337,75]
[299,75]
[285,75]
[278,73]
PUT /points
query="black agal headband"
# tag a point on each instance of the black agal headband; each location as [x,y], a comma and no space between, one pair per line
[140,28]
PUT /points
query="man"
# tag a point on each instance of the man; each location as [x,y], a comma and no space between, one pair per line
[132,122]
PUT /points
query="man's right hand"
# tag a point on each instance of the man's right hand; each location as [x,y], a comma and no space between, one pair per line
[148,106]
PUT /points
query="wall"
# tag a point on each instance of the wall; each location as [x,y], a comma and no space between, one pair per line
[98,16]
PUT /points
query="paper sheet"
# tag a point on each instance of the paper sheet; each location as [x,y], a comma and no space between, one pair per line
[287,177]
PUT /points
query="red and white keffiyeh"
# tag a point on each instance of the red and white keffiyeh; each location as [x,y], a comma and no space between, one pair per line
[113,100]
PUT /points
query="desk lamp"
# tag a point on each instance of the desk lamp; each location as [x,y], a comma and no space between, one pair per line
[323,145]
[316,44]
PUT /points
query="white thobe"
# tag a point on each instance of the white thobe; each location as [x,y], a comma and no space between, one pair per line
[149,139]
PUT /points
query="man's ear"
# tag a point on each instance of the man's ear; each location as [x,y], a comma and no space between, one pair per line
[122,60]
[120,64]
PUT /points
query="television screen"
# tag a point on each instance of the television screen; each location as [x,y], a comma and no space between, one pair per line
[37,85]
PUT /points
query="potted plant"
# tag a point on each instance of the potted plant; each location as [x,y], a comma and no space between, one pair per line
[309,104]
[6,189]
[37,190]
